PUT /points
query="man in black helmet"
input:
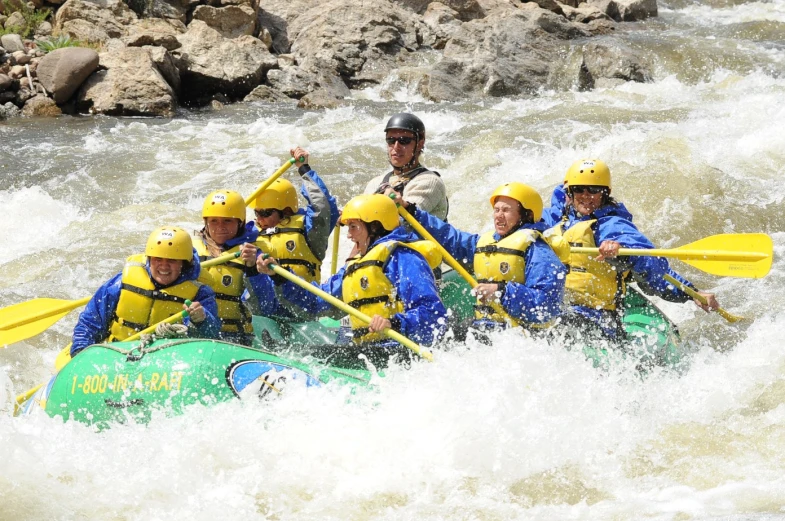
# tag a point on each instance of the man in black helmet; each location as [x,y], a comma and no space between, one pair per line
[405,137]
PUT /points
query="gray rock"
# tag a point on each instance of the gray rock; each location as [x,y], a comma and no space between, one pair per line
[231,21]
[267,94]
[9,110]
[319,99]
[166,64]
[210,63]
[15,20]
[611,61]
[156,32]
[131,85]
[20,57]
[62,71]
[94,20]
[12,43]
[626,10]
[43,29]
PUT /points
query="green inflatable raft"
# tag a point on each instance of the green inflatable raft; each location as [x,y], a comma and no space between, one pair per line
[127,381]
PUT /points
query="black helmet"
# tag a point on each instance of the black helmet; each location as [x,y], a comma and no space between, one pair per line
[406,121]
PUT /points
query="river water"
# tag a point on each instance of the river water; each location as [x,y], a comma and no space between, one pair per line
[517,430]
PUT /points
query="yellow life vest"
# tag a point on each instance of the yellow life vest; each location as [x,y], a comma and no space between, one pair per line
[141,305]
[501,261]
[365,287]
[227,280]
[288,244]
[590,283]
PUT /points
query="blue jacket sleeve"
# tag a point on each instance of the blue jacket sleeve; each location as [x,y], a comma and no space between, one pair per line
[424,317]
[210,327]
[263,288]
[647,270]
[539,299]
[93,324]
[310,302]
[461,245]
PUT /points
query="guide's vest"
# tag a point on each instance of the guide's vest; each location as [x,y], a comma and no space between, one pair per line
[289,246]
[502,261]
[366,288]
[141,305]
[228,284]
[590,283]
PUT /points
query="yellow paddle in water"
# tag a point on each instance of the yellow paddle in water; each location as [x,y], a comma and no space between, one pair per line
[28,319]
[351,311]
[266,184]
[746,255]
[62,360]
[700,298]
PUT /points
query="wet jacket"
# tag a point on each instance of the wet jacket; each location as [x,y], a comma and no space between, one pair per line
[94,322]
[539,298]
[614,223]
[423,318]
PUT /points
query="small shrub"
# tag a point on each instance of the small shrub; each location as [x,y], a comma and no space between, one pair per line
[33,17]
[58,43]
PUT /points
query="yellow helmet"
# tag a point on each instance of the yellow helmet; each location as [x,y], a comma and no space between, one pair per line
[370,208]
[589,172]
[280,195]
[169,242]
[224,203]
[524,194]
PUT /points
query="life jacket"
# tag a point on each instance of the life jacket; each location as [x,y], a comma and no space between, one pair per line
[590,283]
[289,246]
[502,261]
[228,282]
[366,288]
[141,304]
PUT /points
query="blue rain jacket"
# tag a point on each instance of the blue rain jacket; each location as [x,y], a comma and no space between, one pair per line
[94,322]
[539,299]
[424,319]
[614,223]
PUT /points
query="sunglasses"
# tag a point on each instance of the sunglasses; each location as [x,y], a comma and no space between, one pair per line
[262,214]
[403,140]
[593,190]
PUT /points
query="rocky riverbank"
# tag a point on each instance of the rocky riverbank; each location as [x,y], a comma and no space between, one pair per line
[147,57]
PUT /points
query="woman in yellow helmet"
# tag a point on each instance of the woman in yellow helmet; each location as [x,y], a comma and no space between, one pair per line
[513,265]
[388,279]
[151,287]
[596,285]
[297,237]
[225,231]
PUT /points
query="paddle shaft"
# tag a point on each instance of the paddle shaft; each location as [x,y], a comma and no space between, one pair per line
[683,254]
[449,259]
[351,311]
[266,184]
[700,298]
[336,241]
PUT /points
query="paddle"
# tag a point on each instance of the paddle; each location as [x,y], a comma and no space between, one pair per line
[449,259]
[336,240]
[28,319]
[62,360]
[700,298]
[351,311]
[746,255]
[266,184]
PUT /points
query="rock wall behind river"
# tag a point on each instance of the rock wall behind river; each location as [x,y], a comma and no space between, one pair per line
[147,57]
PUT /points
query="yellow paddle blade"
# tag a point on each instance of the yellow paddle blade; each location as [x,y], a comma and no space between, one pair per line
[28,319]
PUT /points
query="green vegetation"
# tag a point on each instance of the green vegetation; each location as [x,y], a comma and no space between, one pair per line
[59,42]
[32,17]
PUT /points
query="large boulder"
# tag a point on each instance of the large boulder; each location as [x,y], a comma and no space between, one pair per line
[509,52]
[609,64]
[359,40]
[231,21]
[41,106]
[63,71]
[154,31]
[94,21]
[12,43]
[131,85]
[211,64]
